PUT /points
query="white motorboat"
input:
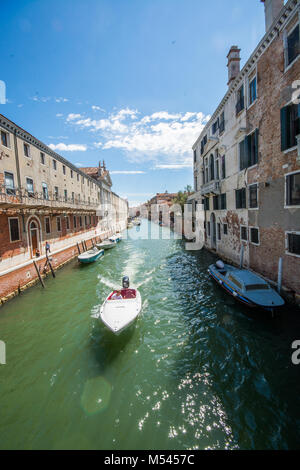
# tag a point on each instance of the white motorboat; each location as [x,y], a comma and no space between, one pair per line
[90,256]
[116,238]
[121,308]
[106,245]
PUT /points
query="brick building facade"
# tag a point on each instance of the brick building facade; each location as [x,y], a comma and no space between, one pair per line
[44,198]
[247,160]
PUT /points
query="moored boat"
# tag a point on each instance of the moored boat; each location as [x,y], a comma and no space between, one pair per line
[116,238]
[121,308]
[246,287]
[90,256]
[106,245]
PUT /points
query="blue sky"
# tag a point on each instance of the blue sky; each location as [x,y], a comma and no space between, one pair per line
[128,81]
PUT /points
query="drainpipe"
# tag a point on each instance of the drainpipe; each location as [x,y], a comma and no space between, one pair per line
[242,256]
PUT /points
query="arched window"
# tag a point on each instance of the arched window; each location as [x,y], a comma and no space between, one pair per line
[33,225]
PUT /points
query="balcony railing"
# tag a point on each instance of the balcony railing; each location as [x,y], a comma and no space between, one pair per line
[213,187]
[19,197]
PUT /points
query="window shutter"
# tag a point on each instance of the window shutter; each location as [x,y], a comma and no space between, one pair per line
[283,120]
[256,146]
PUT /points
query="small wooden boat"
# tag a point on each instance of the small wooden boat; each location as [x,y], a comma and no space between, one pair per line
[116,238]
[90,256]
[121,308]
[106,245]
[246,287]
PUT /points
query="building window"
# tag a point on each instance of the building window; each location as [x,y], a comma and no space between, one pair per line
[45,191]
[293,243]
[42,158]
[203,143]
[290,126]
[77,177]
[212,167]
[249,151]
[293,45]
[26,150]
[206,204]
[254,235]
[73,197]
[253,196]
[29,184]
[223,167]
[74,221]
[68,223]
[58,224]
[56,193]
[219,231]
[222,123]
[252,91]
[14,229]
[244,234]
[83,180]
[216,203]
[85,220]
[240,102]
[223,201]
[71,173]
[64,169]
[208,229]
[9,183]
[240,198]
[66,195]
[195,156]
[225,228]
[5,139]
[215,126]
[54,164]
[293,189]
[80,221]
[47,225]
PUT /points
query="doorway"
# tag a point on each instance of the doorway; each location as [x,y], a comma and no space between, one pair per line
[34,238]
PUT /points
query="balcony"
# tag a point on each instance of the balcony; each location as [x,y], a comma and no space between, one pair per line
[22,199]
[213,187]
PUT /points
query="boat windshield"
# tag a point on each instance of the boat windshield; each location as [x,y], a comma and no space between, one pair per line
[252,287]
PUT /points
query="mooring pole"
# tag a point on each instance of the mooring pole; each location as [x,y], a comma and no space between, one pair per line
[78,249]
[280,266]
[52,270]
[242,256]
[82,243]
[39,274]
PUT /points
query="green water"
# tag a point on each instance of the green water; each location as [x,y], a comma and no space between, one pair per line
[196,371]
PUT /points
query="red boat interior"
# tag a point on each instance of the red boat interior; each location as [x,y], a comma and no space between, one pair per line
[126,294]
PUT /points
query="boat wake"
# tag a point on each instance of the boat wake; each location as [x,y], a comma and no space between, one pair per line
[108,283]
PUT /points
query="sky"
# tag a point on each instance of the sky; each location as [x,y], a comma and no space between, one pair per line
[131,82]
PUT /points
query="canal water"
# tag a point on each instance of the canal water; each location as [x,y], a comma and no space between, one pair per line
[196,371]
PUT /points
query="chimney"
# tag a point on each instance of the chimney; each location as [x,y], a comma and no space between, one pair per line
[233,63]
[272,10]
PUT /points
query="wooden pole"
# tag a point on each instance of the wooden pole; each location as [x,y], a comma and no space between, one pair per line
[38,273]
[280,266]
[78,249]
[82,243]
[242,256]
[52,270]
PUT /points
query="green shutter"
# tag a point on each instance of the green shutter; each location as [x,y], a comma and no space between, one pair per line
[256,146]
[283,120]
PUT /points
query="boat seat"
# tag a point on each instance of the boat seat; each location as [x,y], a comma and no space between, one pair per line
[128,293]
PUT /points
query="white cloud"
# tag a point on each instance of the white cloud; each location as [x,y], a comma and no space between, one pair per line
[72,117]
[61,147]
[59,115]
[127,172]
[61,100]
[162,137]
[173,167]
[97,108]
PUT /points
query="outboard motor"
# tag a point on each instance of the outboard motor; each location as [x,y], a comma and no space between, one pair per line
[220,264]
[125,282]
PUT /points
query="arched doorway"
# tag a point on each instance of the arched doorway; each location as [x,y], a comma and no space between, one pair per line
[34,237]
[213,230]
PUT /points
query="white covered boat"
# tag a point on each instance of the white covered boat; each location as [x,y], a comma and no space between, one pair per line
[90,256]
[106,245]
[121,308]
[116,238]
